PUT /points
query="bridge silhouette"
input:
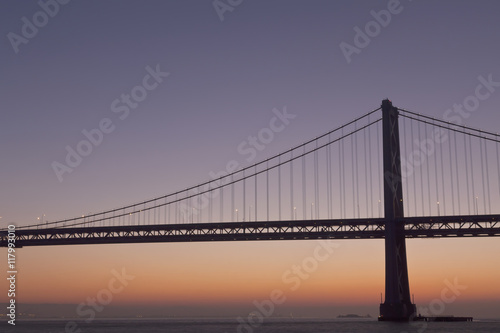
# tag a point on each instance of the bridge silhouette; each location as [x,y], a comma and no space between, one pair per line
[391,173]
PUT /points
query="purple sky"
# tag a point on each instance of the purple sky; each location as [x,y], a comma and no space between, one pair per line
[226,76]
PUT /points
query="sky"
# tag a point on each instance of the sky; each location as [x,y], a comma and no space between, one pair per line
[216,72]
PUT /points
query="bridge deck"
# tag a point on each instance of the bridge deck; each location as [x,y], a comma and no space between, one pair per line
[416,227]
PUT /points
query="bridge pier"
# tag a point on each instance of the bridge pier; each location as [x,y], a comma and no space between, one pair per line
[397,305]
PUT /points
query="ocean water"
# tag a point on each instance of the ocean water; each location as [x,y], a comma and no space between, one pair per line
[231,325]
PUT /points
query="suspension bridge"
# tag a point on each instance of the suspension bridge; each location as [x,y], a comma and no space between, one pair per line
[391,173]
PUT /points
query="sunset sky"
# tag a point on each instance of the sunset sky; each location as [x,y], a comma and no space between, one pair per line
[227,72]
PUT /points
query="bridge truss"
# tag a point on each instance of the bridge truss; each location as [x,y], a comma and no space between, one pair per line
[415,227]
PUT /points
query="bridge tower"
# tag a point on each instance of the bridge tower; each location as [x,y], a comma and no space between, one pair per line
[397,305]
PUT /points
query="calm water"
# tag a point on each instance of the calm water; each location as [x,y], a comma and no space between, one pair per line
[270,325]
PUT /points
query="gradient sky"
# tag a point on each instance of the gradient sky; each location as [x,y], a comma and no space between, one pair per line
[225,78]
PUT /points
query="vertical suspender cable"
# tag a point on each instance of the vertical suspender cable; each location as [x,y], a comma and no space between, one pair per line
[330,157]
[194,210]
[255,198]
[352,176]
[341,163]
[466,174]
[428,174]
[210,202]
[421,173]
[244,196]
[232,198]
[331,177]
[498,169]
[370,197]
[279,187]
[328,180]
[379,173]
[472,176]
[291,185]
[344,178]
[199,205]
[366,172]
[267,188]
[304,188]
[221,207]
[442,177]
[221,200]
[487,178]
[316,182]
[487,175]
[139,217]
[451,173]
[482,176]
[436,175]
[357,169]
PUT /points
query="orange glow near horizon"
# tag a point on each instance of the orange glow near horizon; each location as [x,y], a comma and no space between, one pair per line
[210,273]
